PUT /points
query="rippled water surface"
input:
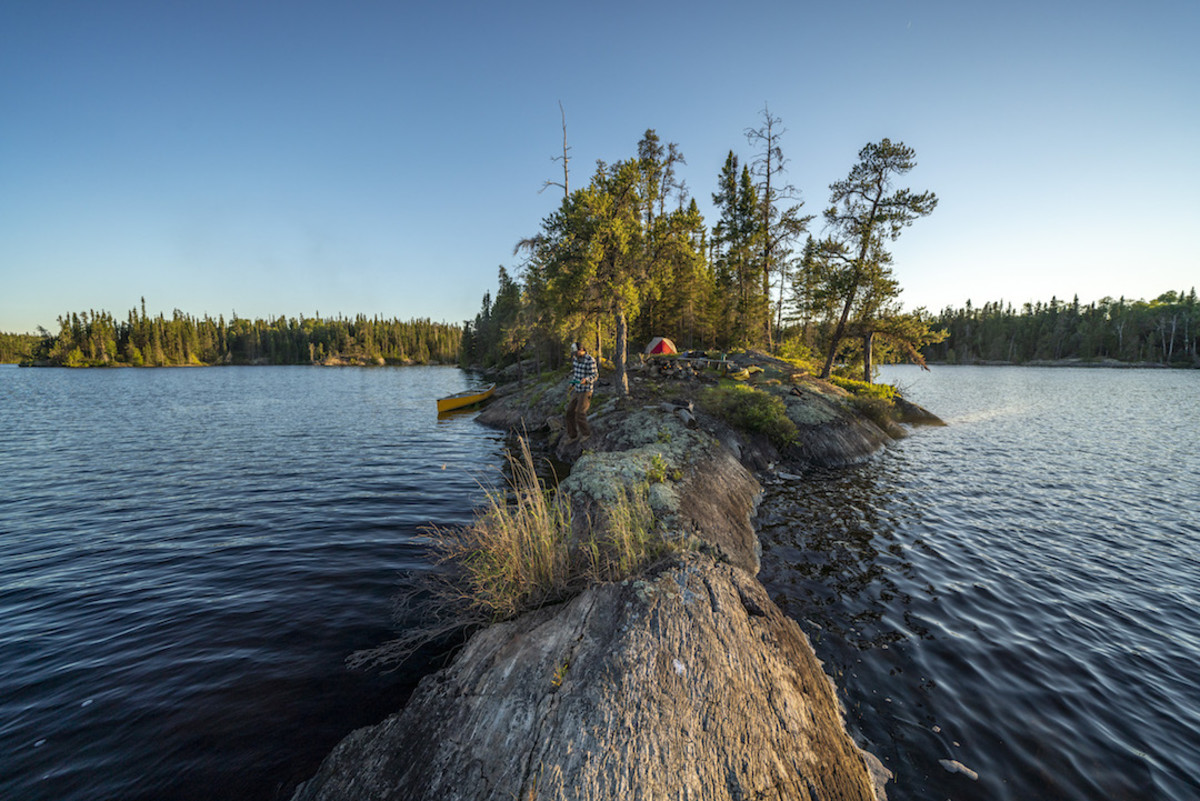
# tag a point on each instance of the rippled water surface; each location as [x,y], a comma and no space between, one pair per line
[1017,593]
[188,555]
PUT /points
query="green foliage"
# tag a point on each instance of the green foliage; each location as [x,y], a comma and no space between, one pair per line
[95,339]
[852,264]
[1165,330]
[862,389]
[873,401]
[795,352]
[738,244]
[615,264]
[16,348]
[560,674]
[880,411]
[658,469]
[750,409]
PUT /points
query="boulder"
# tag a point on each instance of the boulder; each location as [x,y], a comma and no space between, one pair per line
[689,683]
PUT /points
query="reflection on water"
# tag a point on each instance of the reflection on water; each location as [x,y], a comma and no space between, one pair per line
[1015,592]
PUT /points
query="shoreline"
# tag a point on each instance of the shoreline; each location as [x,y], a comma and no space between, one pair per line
[1110,364]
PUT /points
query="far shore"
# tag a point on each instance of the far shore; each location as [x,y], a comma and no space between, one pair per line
[1109,363]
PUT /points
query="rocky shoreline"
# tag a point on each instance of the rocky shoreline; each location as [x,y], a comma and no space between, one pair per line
[684,682]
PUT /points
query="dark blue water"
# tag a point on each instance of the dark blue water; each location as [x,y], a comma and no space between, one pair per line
[188,555]
[1018,592]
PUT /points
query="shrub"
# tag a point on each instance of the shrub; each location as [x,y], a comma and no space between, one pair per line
[862,389]
[752,410]
[658,469]
[797,354]
[878,410]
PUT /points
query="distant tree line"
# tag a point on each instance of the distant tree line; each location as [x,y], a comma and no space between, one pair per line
[97,339]
[16,348]
[1165,330]
[628,256]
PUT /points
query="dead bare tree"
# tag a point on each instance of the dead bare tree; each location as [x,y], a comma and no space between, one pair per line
[564,158]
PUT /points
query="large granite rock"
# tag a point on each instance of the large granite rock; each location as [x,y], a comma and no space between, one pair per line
[690,683]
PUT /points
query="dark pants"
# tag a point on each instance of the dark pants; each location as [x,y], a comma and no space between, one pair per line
[577,408]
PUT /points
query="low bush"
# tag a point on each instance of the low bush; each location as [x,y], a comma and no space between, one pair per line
[878,410]
[752,410]
[797,354]
[862,389]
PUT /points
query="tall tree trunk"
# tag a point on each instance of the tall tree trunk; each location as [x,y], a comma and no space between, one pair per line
[619,353]
[868,363]
[767,309]
[838,332]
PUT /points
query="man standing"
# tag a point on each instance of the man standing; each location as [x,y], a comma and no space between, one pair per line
[583,381]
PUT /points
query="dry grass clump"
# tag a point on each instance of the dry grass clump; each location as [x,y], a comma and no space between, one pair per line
[516,554]
[523,550]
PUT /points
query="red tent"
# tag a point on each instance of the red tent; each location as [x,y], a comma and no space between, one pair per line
[661,345]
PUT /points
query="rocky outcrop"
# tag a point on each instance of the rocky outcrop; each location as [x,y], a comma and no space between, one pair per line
[688,682]
[696,487]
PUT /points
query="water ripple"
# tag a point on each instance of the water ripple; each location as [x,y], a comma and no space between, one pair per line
[189,555]
[1016,591]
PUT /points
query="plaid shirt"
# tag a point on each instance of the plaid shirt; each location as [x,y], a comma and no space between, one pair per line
[583,373]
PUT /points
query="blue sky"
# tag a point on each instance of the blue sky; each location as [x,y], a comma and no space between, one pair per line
[383,158]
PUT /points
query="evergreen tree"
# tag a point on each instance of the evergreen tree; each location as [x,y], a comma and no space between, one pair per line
[737,248]
[780,219]
[864,214]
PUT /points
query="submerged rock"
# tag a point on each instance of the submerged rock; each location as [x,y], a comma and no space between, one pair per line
[690,683]
[954,766]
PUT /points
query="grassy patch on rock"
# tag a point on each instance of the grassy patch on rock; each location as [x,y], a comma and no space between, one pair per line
[751,409]
[862,389]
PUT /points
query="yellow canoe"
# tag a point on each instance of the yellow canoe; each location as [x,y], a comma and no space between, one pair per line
[744,374]
[465,398]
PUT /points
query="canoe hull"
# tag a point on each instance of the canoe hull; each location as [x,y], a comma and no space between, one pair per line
[464,399]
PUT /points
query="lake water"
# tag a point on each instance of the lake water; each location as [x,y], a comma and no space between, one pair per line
[1017,592]
[188,555]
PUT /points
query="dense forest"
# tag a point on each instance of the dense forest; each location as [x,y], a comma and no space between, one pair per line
[97,339]
[629,256]
[1165,330]
[16,348]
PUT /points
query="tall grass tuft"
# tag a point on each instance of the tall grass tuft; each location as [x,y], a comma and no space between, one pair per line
[515,555]
[524,549]
[629,541]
